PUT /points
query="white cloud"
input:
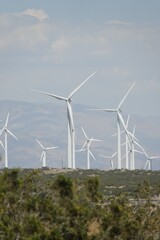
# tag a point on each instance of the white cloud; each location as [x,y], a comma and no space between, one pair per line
[117,22]
[37,13]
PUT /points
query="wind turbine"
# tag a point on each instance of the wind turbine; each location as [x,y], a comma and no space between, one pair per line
[111,159]
[131,151]
[43,155]
[71,129]
[119,121]
[149,158]
[86,147]
[127,143]
[6,131]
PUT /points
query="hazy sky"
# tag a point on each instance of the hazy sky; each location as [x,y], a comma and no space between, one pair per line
[54,45]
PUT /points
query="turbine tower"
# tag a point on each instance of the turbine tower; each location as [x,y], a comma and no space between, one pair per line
[43,155]
[71,129]
[6,131]
[127,144]
[86,147]
[119,121]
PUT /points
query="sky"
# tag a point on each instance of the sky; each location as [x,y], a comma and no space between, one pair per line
[55,45]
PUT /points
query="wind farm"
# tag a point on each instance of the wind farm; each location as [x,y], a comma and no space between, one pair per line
[73,74]
[129,161]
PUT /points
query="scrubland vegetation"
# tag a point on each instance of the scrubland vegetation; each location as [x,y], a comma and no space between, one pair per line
[79,205]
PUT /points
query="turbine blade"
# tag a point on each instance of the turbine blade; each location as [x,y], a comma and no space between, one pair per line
[1,131]
[48,148]
[6,123]
[84,133]
[95,140]
[145,165]
[51,95]
[81,150]
[92,155]
[134,128]
[84,145]
[141,148]
[154,157]
[41,156]
[125,95]
[127,121]
[139,152]
[132,137]
[39,143]
[103,109]
[12,134]
[104,156]
[79,86]
[70,117]
[114,154]
[2,144]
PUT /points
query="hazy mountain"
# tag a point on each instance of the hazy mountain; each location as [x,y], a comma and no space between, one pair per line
[48,123]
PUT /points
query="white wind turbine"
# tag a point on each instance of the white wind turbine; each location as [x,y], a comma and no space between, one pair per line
[149,159]
[86,147]
[43,155]
[127,144]
[71,129]
[111,159]
[6,131]
[119,121]
[132,149]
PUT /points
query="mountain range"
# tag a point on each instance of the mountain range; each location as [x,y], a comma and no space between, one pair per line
[48,123]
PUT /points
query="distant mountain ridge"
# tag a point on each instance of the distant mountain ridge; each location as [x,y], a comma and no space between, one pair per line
[48,123]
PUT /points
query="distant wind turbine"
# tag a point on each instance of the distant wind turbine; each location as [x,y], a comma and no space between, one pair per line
[110,158]
[132,149]
[149,158]
[127,144]
[119,121]
[43,155]
[71,129]
[6,131]
[86,147]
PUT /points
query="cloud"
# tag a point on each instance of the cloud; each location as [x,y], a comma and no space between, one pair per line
[26,34]
[40,14]
[117,22]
